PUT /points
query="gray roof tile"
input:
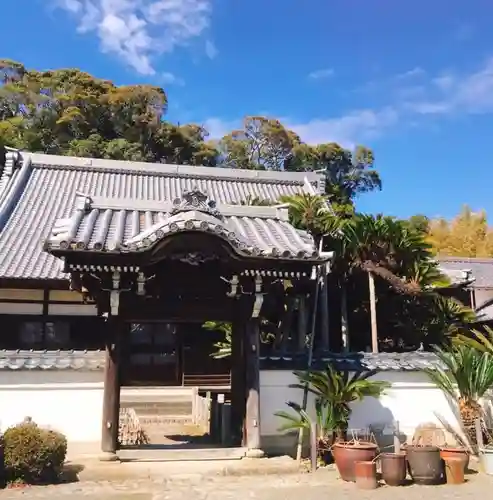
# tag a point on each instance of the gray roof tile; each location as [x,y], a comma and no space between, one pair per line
[51,360]
[43,190]
[360,361]
[123,226]
[481,269]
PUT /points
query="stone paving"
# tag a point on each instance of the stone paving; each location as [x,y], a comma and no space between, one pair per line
[322,484]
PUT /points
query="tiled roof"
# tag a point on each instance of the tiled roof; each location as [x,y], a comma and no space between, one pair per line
[481,269]
[52,360]
[43,189]
[360,361]
[123,226]
[94,360]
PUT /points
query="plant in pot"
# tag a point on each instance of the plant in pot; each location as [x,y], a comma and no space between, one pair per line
[465,375]
[337,390]
[298,418]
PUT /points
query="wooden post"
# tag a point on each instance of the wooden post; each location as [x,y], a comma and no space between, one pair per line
[302,324]
[111,394]
[373,313]
[344,319]
[238,388]
[253,388]
[324,315]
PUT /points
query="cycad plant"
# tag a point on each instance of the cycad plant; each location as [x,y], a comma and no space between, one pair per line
[482,341]
[334,392]
[465,375]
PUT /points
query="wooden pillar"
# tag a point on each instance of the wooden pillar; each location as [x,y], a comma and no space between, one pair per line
[373,313]
[111,394]
[252,421]
[238,385]
[344,319]
[324,315]
[302,324]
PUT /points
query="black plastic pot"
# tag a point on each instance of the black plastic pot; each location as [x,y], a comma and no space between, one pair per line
[425,464]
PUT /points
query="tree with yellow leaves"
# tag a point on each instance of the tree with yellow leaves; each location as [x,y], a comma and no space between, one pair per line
[467,235]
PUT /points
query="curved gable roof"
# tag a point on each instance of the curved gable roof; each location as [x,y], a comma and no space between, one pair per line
[43,189]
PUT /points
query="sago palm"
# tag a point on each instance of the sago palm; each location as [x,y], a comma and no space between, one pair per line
[465,375]
[481,341]
[338,389]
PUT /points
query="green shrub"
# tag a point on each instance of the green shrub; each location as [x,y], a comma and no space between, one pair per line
[32,454]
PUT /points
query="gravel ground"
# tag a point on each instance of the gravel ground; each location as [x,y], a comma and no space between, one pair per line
[322,484]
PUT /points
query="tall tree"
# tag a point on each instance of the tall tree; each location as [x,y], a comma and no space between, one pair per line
[467,235]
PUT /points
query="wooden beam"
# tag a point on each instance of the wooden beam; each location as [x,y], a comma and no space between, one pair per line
[373,313]
[111,394]
[238,382]
[252,420]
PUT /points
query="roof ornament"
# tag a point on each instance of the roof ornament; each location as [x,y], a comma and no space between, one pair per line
[195,200]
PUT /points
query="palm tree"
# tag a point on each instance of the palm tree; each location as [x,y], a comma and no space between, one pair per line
[465,375]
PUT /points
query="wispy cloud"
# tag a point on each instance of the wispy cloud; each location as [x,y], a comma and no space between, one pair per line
[211,49]
[138,30]
[321,74]
[453,93]
[171,79]
[412,73]
[349,129]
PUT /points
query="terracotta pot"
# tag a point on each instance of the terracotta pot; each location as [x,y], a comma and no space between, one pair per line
[446,453]
[454,469]
[346,454]
[394,468]
[425,464]
[365,474]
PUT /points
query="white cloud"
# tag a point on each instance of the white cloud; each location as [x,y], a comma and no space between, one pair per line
[321,74]
[412,73]
[218,127]
[210,49]
[138,30]
[469,93]
[347,130]
[171,79]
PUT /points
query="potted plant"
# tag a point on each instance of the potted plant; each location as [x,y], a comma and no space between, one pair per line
[298,418]
[335,391]
[465,375]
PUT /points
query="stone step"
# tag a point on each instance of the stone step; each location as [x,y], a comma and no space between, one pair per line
[167,454]
[145,409]
[165,419]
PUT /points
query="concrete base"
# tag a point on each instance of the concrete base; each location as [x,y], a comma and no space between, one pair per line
[107,456]
[255,453]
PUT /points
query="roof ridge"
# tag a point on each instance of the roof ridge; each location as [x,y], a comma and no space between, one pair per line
[88,202]
[485,260]
[14,179]
[42,160]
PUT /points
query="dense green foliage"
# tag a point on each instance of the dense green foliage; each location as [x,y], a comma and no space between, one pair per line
[69,112]
[33,455]
[334,392]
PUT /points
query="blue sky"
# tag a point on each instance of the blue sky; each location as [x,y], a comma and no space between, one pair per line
[412,80]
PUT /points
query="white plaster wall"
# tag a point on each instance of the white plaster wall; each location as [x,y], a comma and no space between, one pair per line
[67,401]
[412,400]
